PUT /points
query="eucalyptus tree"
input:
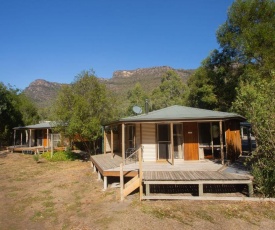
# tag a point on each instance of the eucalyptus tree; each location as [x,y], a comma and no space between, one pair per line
[136,97]
[171,91]
[249,35]
[10,115]
[27,109]
[82,107]
[247,47]
[256,101]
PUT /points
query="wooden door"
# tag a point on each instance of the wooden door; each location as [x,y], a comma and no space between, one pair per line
[45,138]
[190,136]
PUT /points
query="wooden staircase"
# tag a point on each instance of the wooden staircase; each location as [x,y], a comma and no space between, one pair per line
[134,183]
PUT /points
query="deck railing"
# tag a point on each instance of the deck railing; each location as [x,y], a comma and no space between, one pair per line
[131,155]
[134,183]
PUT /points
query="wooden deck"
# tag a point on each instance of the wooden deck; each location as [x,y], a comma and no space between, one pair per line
[200,178]
[32,150]
[190,176]
[199,173]
[109,165]
[25,149]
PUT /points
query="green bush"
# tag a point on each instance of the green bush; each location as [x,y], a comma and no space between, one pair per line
[60,156]
[264,174]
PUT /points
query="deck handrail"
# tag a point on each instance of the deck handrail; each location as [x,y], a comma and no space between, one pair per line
[135,152]
[134,183]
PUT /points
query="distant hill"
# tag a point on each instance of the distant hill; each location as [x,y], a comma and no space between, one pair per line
[43,92]
[149,78]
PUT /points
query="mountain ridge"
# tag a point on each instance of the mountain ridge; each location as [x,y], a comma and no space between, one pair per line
[43,92]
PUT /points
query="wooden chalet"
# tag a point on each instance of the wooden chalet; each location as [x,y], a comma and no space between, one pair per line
[34,137]
[169,140]
[177,133]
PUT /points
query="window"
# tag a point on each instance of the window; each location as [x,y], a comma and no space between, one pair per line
[204,134]
[131,136]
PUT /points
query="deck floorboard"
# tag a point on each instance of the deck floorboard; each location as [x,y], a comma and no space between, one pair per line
[181,171]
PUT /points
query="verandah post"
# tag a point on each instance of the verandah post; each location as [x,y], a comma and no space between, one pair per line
[221,142]
[140,174]
[112,142]
[121,182]
[123,142]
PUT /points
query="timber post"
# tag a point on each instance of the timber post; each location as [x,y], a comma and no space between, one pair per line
[123,142]
[140,174]
[121,182]
[172,143]
[221,142]
[104,140]
[112,142]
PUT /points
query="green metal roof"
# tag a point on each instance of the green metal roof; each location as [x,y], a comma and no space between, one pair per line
[177,112]
[43,125]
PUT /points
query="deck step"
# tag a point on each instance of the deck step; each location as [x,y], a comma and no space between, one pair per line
[135,182]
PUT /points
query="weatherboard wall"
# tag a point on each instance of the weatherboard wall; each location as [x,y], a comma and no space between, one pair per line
[149,141]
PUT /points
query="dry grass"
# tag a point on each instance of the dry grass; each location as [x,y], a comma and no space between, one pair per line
[67,195]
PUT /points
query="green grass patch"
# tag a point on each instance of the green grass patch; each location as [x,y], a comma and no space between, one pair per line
[48,204]
[202,214]
[60,156]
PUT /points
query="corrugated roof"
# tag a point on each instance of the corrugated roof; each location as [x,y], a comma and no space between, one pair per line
[43,125]
[177,112]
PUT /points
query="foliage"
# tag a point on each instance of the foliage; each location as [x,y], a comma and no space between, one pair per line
[250,30]
[256,100]
[214,84]
[10,115]
[249,33]
[15,110]
[67,155]
[240,77]
[28,110]
[169,92]
[82,107]
[136,97]
[247,41]
[200,89]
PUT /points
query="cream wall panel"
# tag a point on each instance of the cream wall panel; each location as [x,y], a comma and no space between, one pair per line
[149,142]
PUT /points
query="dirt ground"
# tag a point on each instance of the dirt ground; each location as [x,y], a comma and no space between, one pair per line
[67,195]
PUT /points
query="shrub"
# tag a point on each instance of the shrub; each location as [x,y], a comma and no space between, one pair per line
[256,101]
[67,155]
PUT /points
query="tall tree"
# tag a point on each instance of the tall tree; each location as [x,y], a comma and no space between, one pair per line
[171,91]
[249,33]
[83,107]
[201,90]
[27,109]
[247,43]
[136,97]
[256,100]
[10,115]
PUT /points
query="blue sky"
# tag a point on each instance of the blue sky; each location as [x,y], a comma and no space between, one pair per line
[57,39]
